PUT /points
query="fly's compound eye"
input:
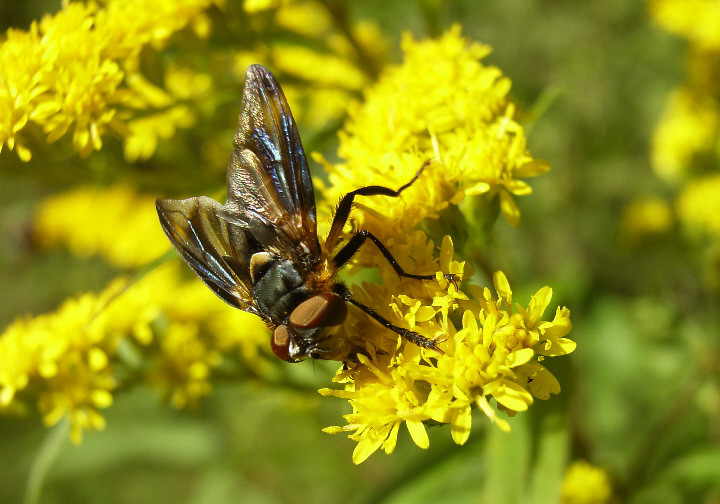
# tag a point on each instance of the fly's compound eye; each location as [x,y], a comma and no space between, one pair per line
[280,343]
[322,310]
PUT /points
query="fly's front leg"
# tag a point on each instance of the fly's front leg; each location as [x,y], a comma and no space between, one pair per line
[356,242]
[341,216]
[343,209]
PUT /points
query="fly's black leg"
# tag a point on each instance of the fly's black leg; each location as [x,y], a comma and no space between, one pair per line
[407,334]
[356,241]
[343,209]
[341,216]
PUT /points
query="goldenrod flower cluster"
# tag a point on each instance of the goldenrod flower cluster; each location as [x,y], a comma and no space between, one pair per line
[78,72]
[442,103]
[490,350]
[160,329]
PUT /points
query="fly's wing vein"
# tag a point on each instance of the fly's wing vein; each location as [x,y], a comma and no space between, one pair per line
[269,184]
[204,239]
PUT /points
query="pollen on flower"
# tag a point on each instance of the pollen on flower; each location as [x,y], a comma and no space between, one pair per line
[493,356]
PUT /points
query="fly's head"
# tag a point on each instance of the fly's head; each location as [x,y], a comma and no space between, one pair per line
[310,330]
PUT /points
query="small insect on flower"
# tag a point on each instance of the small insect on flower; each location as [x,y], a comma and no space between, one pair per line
[260,250]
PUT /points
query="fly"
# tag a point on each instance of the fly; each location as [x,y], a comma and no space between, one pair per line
[260,251]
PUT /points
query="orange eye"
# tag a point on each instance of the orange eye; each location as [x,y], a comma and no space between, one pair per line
[321,310]
[280,343]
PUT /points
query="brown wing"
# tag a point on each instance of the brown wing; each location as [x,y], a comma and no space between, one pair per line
[214,248]
[270,191]
[270,204]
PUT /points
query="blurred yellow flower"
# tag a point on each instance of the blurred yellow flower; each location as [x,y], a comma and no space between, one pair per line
[68,362]
[698,20]
[67,357]
[688,134]
[253,6]
[496,354]
[645,217]
[115,223]
[183,366]
[144,132]
[698,206]
[690,126]
[586,484]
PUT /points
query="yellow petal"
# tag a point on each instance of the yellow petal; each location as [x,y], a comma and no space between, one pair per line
[537,305]
[509,209]
[518,187]
[479,188]
[366,447]
[510,394]
[531,169]
[461,424]
[418,433]
[520,357]
[552,348]
[502,286]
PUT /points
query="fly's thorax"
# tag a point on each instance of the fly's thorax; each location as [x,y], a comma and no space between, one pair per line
[301,302]
[278,286]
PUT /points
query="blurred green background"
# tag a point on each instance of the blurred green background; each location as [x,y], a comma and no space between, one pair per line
[640,395]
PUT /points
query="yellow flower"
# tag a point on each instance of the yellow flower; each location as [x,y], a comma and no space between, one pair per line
[116,223]
[253,6]
[68,362]
[586,484]
[698,206]
[496,354]
[77,69]
[698,20]
[143,133]
[67,357]
[442,104]
[183,366]
[645,217]
[303,63]
[689,126]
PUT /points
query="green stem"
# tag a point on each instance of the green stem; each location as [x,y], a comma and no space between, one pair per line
[49,450]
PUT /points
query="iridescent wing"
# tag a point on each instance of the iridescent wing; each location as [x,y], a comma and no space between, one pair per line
[218,252]
[270,203]
[269,184]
